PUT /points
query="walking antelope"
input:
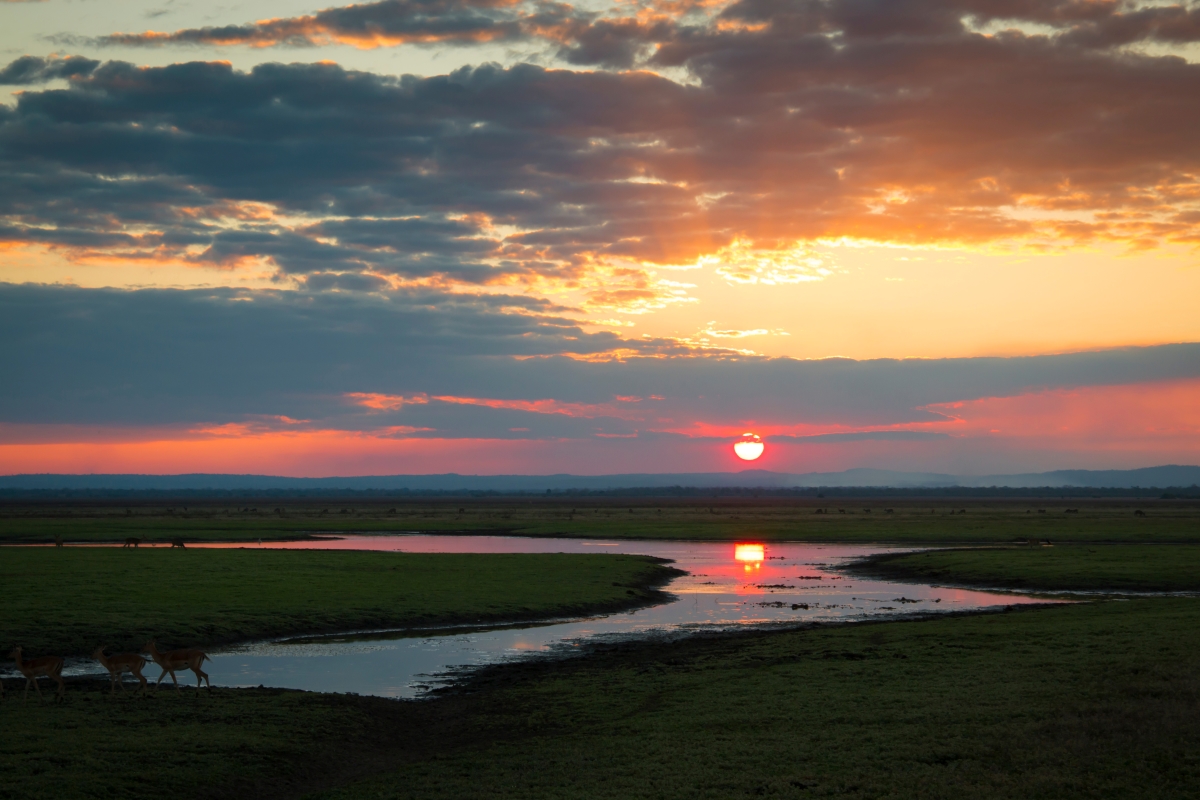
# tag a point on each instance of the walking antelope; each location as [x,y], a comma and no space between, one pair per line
[120,663]
[173,660]
[34,668]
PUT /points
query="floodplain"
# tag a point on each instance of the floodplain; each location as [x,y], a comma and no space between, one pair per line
[1098,698]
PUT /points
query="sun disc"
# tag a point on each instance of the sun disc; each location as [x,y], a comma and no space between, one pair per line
[749,447]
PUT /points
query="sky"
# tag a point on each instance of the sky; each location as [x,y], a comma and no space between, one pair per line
[503,236]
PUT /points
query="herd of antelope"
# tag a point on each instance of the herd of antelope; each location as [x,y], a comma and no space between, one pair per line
[52,666]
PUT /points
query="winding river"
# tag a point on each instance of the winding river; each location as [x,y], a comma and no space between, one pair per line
[727,586]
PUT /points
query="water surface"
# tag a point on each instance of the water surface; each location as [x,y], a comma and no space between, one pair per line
[728,586]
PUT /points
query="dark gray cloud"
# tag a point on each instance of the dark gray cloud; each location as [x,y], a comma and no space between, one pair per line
[460,366]
[386,23]
[794,132]
[32,69]
[621,41]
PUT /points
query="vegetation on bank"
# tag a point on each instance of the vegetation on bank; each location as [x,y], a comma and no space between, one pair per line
[1097,699]
[1103,568]
[67,601]
[909,521]
[1084,701]
[1080,701]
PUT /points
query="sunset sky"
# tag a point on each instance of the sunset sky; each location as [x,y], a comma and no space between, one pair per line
[493,236]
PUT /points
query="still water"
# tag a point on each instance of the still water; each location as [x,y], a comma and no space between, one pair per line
[727,586]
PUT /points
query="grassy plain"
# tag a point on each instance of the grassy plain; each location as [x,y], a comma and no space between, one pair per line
[1141,568]
[933,521]
[1089,700]
[67,601]
[1085,701]
[1096,700]
[232,743]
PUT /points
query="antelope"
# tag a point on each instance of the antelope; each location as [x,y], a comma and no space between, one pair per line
[132,541]
[177,543]
[34,668]
[58,540]
[179,659]
[120,663]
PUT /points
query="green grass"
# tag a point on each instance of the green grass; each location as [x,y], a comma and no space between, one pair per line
[1095,700]
[1084,701]
[1088,700]
[232,743]
[910,522]
[68,601]
[1163,568]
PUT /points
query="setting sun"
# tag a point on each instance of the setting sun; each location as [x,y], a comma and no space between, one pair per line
[749,447]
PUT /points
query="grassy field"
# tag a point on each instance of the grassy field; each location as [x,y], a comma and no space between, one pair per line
[68,601]
[232,743]
[1089,700]
[1097,700]
[766,519]
[1162,568]
[1077,702]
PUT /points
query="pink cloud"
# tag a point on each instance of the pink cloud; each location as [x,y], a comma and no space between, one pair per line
[1102,426]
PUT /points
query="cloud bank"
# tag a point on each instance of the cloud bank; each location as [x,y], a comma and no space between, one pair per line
[886,122]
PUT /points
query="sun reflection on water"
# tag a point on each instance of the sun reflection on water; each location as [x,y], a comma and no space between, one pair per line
[752,555]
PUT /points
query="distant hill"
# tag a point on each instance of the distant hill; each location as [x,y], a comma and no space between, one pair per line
[1149,477]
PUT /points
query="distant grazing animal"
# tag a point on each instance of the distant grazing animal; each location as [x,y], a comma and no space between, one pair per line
[889,510]
[1139,513]
[1041,511]
[1071,511]
[177,543]
[58,542]
[866,511]
[119,663]
[34,668]
[173,660]
[132,541]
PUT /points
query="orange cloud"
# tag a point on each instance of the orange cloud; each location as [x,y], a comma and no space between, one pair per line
[386,402]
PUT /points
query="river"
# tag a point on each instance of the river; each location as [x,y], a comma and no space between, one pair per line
[727,586]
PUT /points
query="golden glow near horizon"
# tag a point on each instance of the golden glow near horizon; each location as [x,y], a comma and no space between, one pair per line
[881,302]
